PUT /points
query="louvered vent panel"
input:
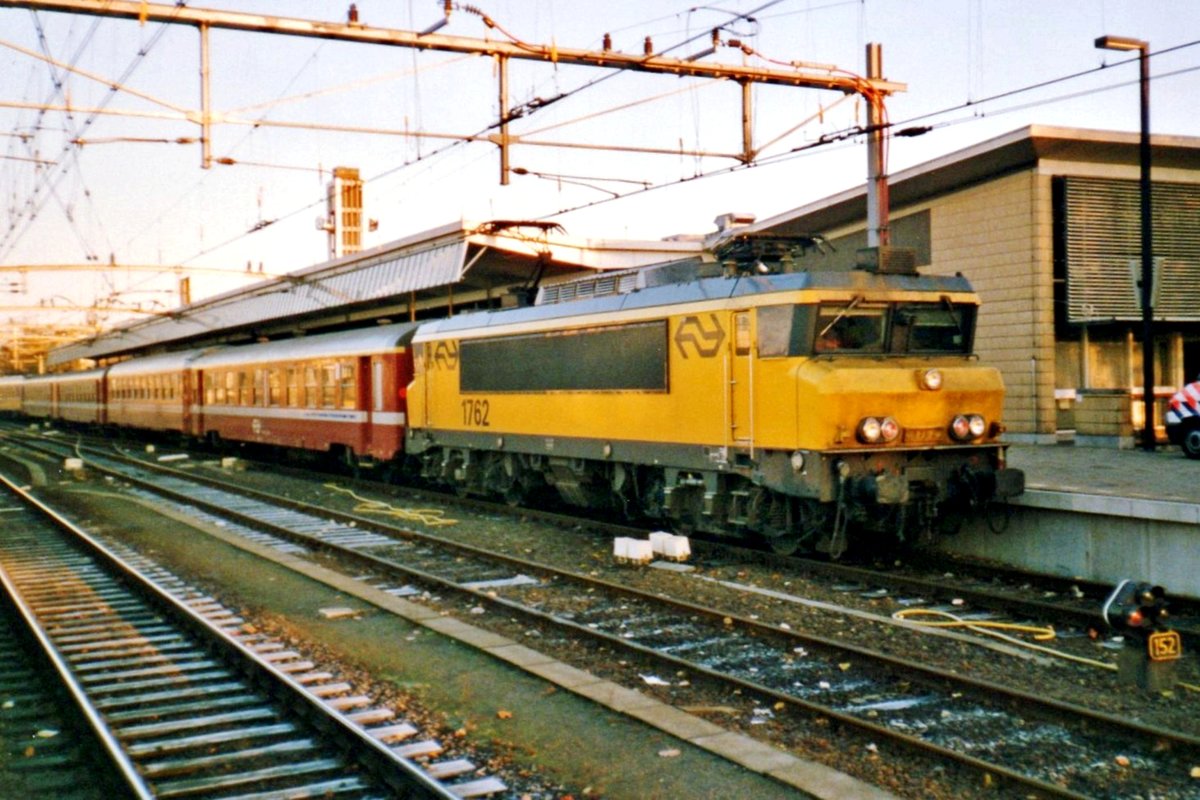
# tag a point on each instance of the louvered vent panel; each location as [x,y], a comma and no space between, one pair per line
[1103,233]
[589,287]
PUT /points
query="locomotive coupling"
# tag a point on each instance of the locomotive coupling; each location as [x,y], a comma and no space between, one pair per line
[883,489]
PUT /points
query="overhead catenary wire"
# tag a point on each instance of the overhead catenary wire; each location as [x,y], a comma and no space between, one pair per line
[523,110]
[11,237]
[531,108]
[900,128]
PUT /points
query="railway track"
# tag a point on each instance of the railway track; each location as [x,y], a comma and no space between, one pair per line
[44,750]
[185,702]
[960,587]
[1048,748]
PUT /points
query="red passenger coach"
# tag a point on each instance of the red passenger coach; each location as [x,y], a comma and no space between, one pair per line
[152,393]
[337,392]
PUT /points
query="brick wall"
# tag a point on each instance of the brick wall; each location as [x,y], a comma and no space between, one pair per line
[999,234]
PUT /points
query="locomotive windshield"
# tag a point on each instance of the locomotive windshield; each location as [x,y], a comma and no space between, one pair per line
[860,327]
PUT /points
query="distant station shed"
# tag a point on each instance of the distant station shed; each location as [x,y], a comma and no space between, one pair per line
[456,267]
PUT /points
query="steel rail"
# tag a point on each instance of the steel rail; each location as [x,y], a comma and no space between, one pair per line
[124,766]
[397,773]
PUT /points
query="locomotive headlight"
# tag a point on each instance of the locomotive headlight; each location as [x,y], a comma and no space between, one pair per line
[977,425]
[930,380]
[797,461]
[889,429]
[965,427]
[869,430]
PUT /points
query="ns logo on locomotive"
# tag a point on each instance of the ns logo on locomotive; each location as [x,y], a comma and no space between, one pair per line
[734,394]
[809,409]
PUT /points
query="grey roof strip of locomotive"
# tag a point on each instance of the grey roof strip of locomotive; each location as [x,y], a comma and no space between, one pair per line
[720,288]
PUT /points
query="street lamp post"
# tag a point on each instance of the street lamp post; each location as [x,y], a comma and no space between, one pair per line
[1143,48]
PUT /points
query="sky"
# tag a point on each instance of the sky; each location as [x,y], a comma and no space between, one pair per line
[119,189]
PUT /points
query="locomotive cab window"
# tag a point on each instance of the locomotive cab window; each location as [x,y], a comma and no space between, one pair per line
[933,328]
[852,327]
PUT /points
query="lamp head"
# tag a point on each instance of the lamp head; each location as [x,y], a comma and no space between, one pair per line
[1121,43]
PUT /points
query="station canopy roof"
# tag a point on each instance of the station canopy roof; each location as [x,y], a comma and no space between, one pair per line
[423,275]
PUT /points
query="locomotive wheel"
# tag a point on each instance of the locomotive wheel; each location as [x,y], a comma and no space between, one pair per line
[775,520]
[651,495]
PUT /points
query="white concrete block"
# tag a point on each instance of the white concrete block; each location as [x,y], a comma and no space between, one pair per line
[621,548]
[658,541]
[640,551]
[677,548]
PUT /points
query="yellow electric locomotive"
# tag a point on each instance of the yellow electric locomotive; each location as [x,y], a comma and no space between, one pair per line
[806,408]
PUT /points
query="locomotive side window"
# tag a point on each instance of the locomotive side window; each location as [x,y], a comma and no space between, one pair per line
[784,330]
[741,332]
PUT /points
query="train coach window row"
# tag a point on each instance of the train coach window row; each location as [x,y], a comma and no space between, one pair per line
[145,387]
[77,393]
[324,384]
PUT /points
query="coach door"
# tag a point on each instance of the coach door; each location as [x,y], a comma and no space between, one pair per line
[377,400]
[741,382]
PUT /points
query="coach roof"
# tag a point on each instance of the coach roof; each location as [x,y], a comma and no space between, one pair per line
[363,341]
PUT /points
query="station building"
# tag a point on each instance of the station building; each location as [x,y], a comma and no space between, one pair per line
[1045,223]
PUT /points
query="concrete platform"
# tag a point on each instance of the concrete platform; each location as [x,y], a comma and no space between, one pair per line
[1164,475]
[1101,514]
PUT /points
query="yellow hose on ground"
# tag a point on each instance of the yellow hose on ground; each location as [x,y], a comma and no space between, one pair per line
[986,628]
[432,517]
